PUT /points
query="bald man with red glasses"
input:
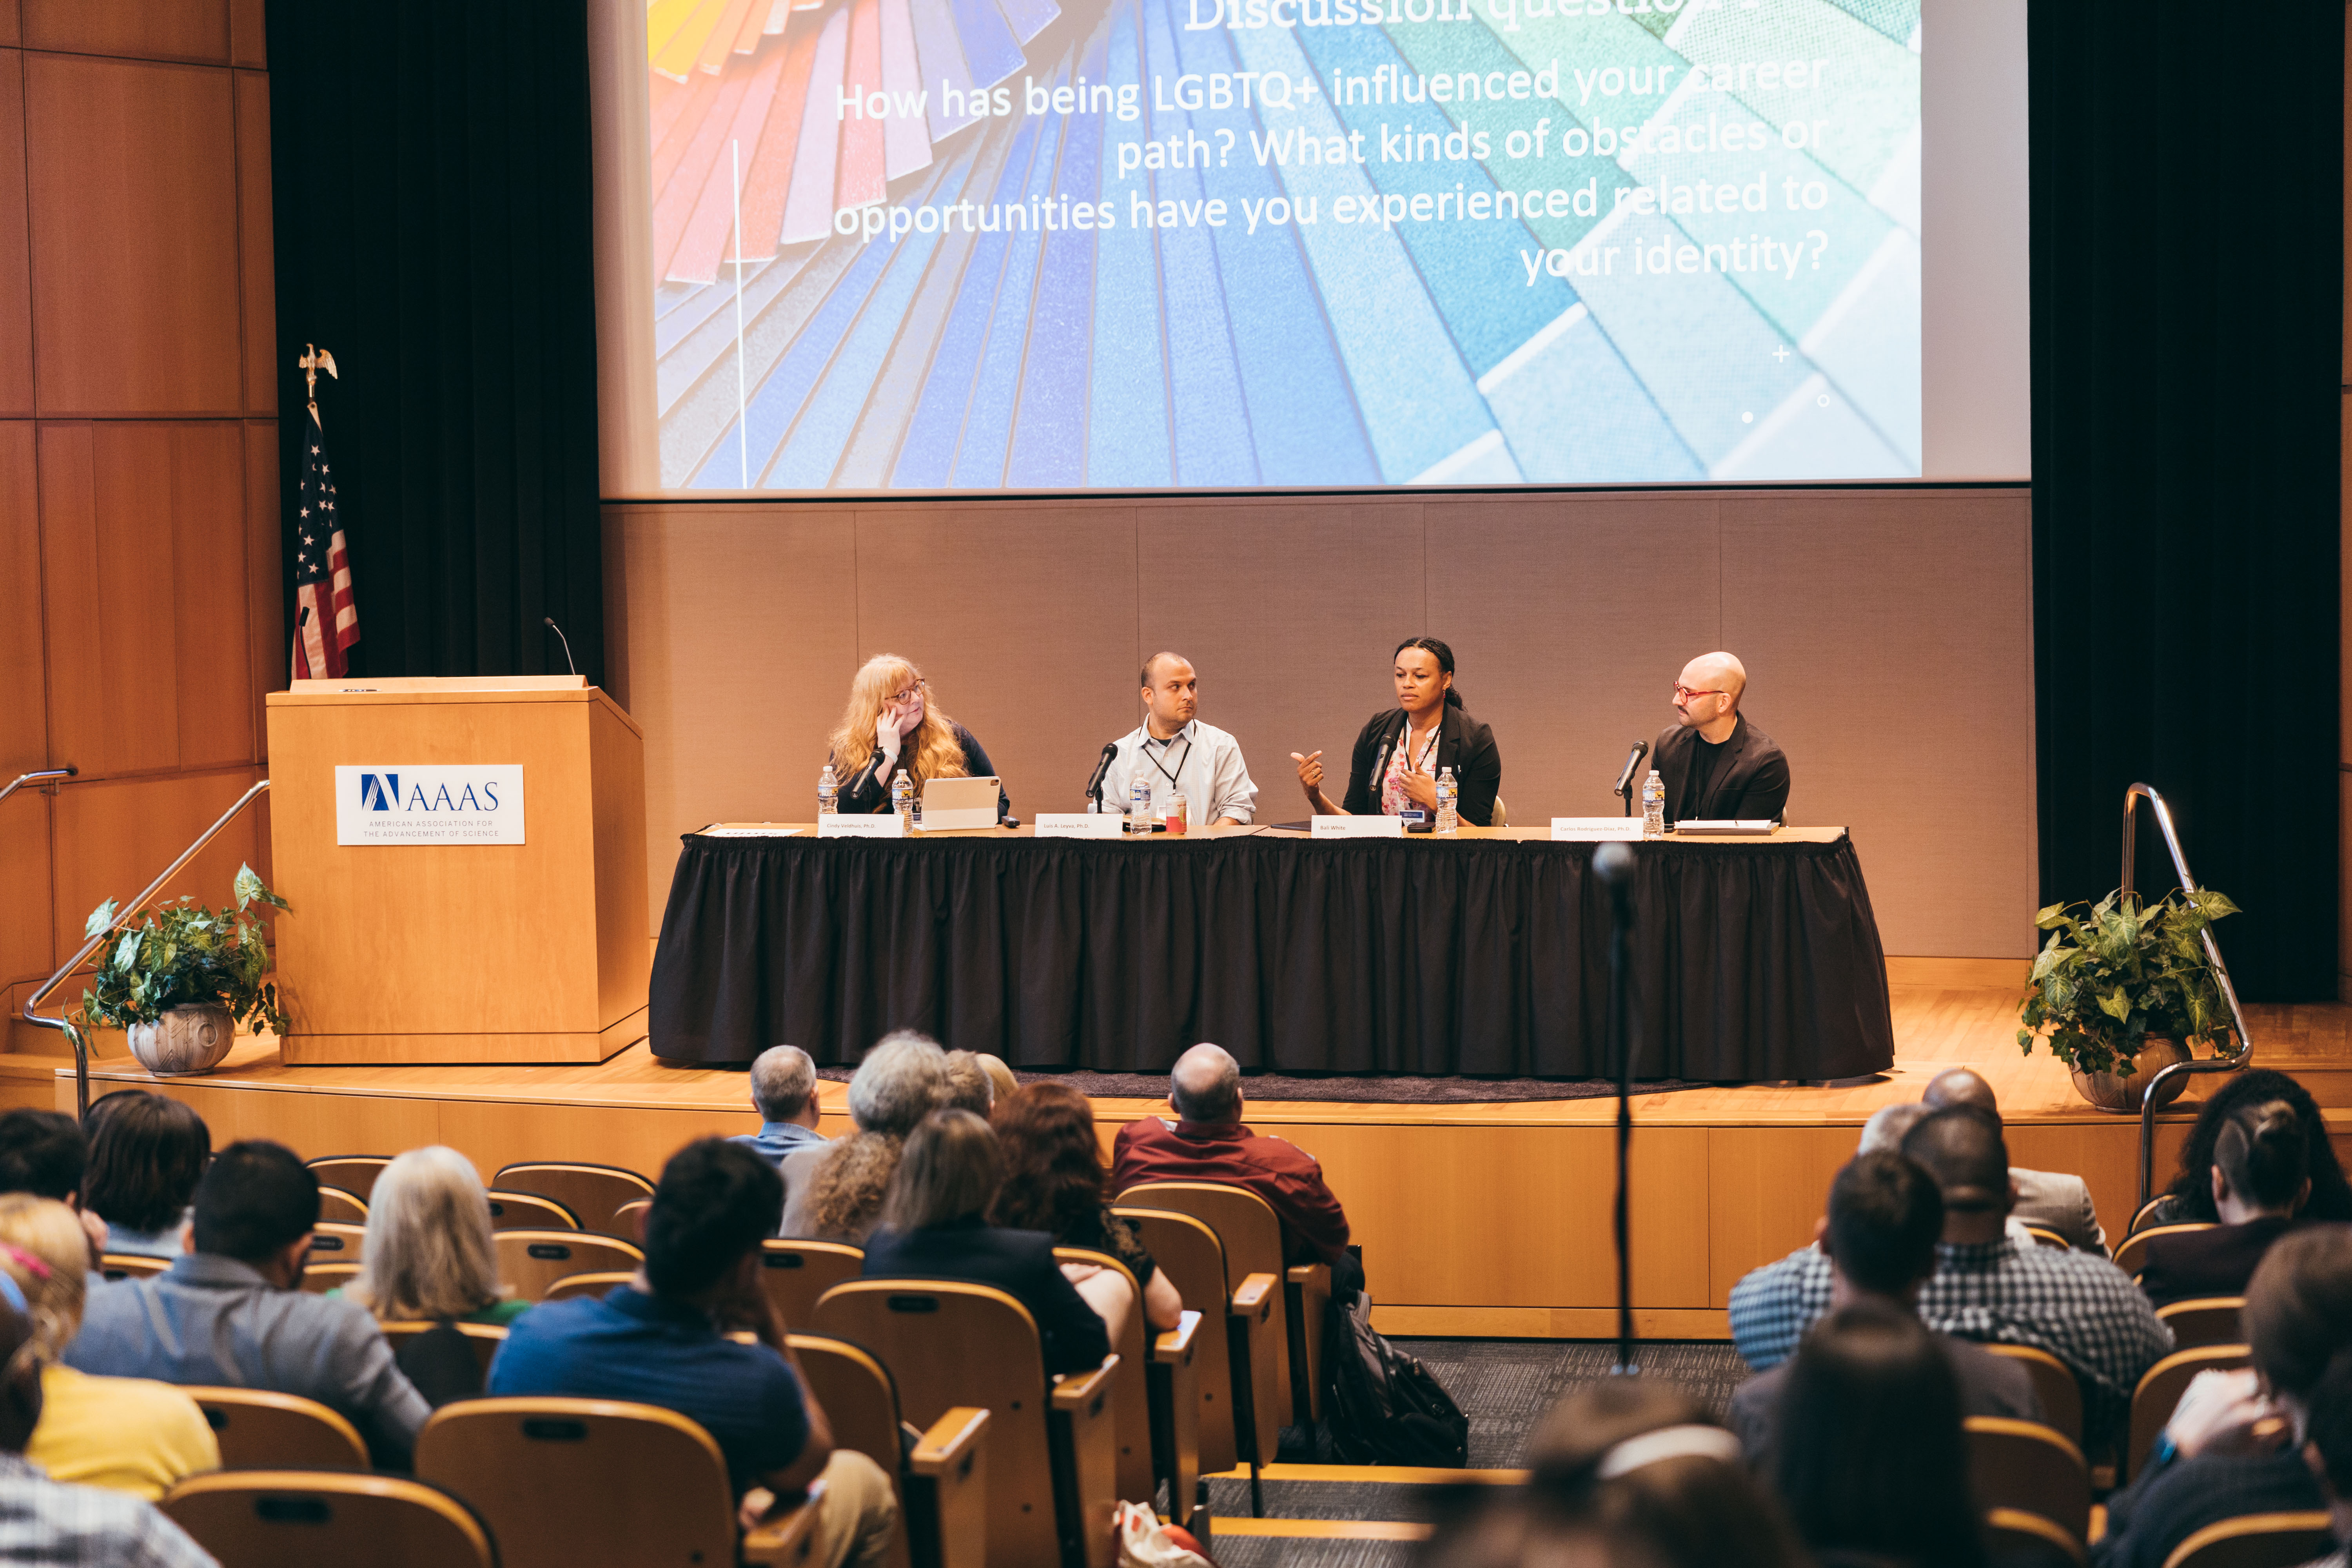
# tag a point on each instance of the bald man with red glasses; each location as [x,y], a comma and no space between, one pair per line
[1715,765]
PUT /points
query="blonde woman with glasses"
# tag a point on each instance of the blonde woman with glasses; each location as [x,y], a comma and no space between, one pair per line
[429,1255]
[892,723]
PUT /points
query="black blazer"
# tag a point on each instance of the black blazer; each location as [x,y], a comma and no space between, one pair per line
[1018,1262]
[1464,744]
[2216,1262]
[867,792]
[1751,780]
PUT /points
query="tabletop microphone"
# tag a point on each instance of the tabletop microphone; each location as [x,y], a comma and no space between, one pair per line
[549,622]
[1625,780]
[303,620]
[1094,784]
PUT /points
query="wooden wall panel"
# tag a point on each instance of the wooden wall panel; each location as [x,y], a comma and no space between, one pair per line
[249,44]
[257,274]
[1767,1186]
[134,215]
[113,835]
[24,715]
[133,29]
[210,587]
[16,243]
[270,649]
[11,26]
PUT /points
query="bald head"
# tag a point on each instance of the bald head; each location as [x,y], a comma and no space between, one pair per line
[1961,1147]
[1717,671]
[783,1081]
[1960,1085]
[1707,695]
[1205,1085]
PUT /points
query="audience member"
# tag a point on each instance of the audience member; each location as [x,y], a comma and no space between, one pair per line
[1872,1464]
[969,1086]
[2078,1305]
[44,1521]
[43,1152]
[784,1091]
[147,1152]
[935,1227]
[2190,1197]
[999,1076]
[1883,1133]
[1885,1219]
[834,1192]
[231,1311]
[431,1254]
[1054,1182]
[2262,1175]
[127,1435]
[2051,1199]
[662,1338]
[2234,1443]
[2327,1450]
[1209,1142]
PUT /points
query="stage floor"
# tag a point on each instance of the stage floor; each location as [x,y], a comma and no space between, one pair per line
[1475,1218]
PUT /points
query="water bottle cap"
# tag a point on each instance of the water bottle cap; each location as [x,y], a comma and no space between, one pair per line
[1653,772]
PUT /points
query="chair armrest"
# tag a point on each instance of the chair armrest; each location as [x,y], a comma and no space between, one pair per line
[1073,1391]
[1310,1274]
[1256,1294]
[1176,1343]
[951,1436]
[786,1539]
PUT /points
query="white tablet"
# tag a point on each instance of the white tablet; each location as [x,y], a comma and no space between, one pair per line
[952,803]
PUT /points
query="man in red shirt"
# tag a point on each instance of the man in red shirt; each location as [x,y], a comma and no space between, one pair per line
[1209,1144]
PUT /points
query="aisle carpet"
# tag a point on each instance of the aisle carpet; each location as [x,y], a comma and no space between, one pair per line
[1398,1090]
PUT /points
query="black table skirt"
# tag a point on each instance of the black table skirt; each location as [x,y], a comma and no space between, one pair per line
[1480,956]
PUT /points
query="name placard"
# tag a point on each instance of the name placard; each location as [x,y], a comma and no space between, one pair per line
[845,825]
[1080,825]
[1356,827]
[747,830]
[402,804]
[1595,829]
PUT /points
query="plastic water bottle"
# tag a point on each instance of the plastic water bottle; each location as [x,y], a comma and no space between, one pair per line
[1449,818]
[902,796]
[1138,805]
[828,791]
[1654,806]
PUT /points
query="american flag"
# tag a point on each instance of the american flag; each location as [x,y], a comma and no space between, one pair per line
[322,572]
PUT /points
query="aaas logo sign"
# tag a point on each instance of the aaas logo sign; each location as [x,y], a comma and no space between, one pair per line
[416,803]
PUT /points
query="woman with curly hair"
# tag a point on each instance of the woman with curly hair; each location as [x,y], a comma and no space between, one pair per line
[1055,1182]
[2190,1195]
[833,1191]
[891,724]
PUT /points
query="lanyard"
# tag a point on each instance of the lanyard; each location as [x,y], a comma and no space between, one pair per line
[1404,745]
[1165,771]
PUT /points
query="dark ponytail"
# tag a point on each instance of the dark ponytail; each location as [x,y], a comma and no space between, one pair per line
[2264,1153]
[1445,656]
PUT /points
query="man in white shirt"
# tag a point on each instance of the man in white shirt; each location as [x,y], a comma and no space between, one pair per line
[1174,752]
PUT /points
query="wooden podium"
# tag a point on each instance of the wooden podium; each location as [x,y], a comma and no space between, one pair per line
[433,951]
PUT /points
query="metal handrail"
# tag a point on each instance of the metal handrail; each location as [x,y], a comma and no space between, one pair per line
[2212,955]
[46,775]
[80,1046]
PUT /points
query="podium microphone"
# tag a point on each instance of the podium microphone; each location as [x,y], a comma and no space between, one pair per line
[1094,784]
[549,622]
[1624,787]
[1613,865]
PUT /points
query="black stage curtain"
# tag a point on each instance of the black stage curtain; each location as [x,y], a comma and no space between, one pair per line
[2188,255]
[432,195]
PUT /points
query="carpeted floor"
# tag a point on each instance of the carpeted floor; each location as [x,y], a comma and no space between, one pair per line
[1379,1089]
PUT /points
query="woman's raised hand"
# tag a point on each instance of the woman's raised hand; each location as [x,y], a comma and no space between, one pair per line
[1310,770]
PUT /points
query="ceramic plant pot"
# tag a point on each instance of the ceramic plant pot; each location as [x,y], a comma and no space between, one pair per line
[2116,1092]
[185,1040]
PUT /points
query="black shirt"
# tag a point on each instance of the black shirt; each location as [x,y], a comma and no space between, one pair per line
[1705,760]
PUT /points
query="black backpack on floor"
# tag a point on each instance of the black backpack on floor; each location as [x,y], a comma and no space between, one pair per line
[1382,1406]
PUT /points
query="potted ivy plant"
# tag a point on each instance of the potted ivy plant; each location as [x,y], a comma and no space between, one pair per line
[2122,990]
[179,978]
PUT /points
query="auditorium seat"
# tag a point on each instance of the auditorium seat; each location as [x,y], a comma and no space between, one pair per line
[596,1193]
[2053,1384]
[2140,1216]
[132,1266]
[485,1338]
[343,1208]
[1132,1411]
[529,1211]
[1236,1334]
[2044,1236]
[795,1274]
[943,1481]
[563,1482]
[1251,1235]
[629,1219]
[2161,1388]
[2025,1466]
[2016,1538]
[591,1284]
[532,1260]
[1052,1444]
[355,1174]
[266,1519]
[2131,1253]
[317,1279]
[261,1430]
[2256,1541]
[2204,1321]
[332,1241]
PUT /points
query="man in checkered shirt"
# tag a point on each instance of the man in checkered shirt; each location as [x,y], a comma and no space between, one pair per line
[2080,1308]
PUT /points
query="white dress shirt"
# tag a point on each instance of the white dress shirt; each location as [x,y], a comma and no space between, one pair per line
[1201,760]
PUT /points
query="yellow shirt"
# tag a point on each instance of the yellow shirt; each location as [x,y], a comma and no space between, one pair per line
[125,1434]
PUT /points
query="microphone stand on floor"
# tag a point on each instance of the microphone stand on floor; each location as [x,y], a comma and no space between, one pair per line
[1613,864]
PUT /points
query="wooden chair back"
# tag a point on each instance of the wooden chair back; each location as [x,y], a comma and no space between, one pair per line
[1132,1410]
[1252,1234]
[567,1481]
[2020,1539]
[942,1484]
[282,1518]
[796,1275]
[337,1241]
[529,1211]
[1195,1263]
[2131,1253]
[593,1284]
[341,1207]
[2053,1384]
[629,1219]
[2159,1390]
[532,1260]
[2044,1236]
[2204,1321]
[2255,1541]
[261,1430]
[596,1193]
[317,1279]
[2025,1466]
[132,1266]
[485,1338]
[858,1394]
[355,1174]
[951,1345]
[2140,1216]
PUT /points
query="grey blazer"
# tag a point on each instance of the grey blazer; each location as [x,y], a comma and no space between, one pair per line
[2062,1203]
